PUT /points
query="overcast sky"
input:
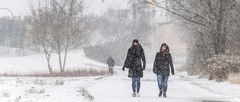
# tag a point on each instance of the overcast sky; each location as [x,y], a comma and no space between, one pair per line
[18,7]
[21,7]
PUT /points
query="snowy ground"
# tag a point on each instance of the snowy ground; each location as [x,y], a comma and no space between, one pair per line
[44,89]
[37,63]
[182,88]
[117,88]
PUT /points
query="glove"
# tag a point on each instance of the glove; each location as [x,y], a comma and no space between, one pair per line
[123,68]
[173,73]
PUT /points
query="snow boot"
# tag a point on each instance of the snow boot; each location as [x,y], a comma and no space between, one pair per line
[164,95]
[160,94]
[138,95]
[134,94]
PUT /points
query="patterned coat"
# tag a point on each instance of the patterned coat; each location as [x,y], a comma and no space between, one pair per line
[135,61]
[163,62]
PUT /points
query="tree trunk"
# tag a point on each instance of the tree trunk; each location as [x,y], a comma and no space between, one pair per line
[60,58]
[220,36]
[65,59]
[48,56]
[49,66]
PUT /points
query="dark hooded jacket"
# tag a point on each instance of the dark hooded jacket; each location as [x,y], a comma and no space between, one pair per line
[110,62]
[135,61]
[163,62]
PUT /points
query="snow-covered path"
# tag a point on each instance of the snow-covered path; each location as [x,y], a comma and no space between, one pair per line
[116,88]
[181,89]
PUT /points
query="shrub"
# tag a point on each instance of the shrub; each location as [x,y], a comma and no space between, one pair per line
[59,82]
[87,96]
[234,78]
[219,66]
[6,94]
[35,90]
[39,82]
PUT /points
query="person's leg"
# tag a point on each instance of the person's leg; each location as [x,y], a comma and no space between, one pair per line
[160,84]
[138,84]
[165,85]
[111,71]
[134,87]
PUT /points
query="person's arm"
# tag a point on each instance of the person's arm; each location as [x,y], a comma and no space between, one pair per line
[171,64]
[126,63]
[155,64]
[113,63]
[143,59]
[108,61]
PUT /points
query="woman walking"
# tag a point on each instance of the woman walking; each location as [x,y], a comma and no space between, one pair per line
[161,67]
[136,63]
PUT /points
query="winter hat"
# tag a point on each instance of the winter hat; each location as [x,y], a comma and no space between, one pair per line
[135,40]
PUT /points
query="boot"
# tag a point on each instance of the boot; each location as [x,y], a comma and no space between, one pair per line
[160,94]
[138,95]
[165,94]
[134,94]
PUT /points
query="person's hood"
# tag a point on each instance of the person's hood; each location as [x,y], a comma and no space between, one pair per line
[167,47]
[136,40]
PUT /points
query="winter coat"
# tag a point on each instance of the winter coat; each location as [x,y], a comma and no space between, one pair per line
[110,62]
[163,62]
[135,61]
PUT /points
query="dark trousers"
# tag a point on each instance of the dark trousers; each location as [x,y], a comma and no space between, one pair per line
[136,85]
[162,82]
[111,70]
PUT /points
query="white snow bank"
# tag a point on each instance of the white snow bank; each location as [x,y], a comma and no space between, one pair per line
[37,63]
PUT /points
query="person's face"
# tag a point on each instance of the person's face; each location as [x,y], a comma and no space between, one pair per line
[135,43]
[164,48]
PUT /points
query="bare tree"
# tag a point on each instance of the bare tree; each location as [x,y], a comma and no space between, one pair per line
[40,33]
[210,26]
[62,26]
[69,27]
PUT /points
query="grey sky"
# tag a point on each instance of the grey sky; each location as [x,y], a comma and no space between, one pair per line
[21,7]
[18,7]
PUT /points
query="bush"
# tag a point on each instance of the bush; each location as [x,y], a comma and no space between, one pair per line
[6,94]
[73,73]
[87,96]
[59,82]
[234,78]
[39,82]
[219,66]
[35,90]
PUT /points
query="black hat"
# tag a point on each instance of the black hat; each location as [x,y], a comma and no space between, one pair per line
[135,40]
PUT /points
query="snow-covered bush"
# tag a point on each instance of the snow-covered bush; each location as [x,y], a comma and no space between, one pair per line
[6,93]
[59,82]
[39,82]
[219,66]
[35,90]
[234,78]
[83,92]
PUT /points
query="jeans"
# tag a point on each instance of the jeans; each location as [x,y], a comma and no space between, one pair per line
[162,82]
[136,84]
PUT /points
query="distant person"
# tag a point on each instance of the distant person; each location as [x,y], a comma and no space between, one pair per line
[136,63]
[161,67]
[111,64]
